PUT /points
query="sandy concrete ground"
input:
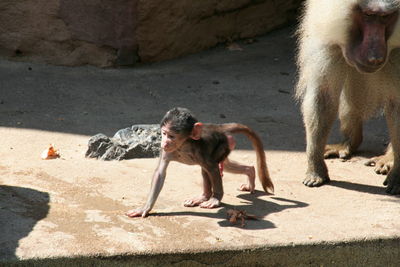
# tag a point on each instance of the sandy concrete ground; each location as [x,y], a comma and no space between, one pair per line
[75,206]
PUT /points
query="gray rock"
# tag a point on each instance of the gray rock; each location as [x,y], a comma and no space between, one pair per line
[138,141]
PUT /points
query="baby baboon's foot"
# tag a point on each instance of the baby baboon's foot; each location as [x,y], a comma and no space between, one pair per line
[247,188]
[193,202]
[210,204]
[313,180]
[251,178]
[341,150]
[383,164]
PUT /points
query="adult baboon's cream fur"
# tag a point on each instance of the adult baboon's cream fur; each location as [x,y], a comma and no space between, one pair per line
[349,66]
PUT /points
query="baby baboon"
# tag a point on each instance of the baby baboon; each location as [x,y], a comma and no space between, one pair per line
[188,141]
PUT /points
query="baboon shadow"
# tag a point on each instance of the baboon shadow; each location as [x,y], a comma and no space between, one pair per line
[363,188]
[20,209]
[252,204]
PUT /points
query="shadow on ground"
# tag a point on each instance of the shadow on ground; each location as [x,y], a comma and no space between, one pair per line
[252,204]
[252,86]
[20,209]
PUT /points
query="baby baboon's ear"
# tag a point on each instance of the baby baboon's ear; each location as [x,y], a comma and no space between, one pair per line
[196,132]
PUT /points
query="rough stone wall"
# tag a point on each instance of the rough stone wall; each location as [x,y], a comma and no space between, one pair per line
[34,30]
[105,23]
[123,32]
[189,26]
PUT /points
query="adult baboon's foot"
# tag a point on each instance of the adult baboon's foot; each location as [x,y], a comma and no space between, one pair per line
[313,180]
[392,182]
[341,150]
[383,164]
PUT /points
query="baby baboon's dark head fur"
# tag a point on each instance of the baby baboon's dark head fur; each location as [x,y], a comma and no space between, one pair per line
[181,120]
